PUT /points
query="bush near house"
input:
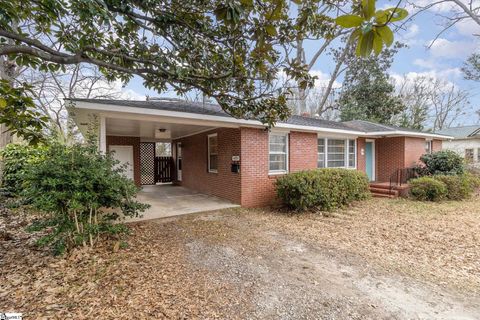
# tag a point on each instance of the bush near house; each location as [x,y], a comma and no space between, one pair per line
[325,189]
[445,162]
[454,187]
[428,189]
[80,193]
[16,159]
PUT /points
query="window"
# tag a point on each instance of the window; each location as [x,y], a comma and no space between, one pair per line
[351,154]
[428,146]
[335,153]
[478,154]
[278,152]
[469,155]
[212,153]
[321,153]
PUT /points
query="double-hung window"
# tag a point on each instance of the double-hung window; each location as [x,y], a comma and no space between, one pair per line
[213,153]
[336,153]
[428,146]
[321,153]
[351,154]
[469,155]
[278,152]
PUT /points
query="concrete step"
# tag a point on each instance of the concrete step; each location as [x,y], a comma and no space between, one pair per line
[383,195]
[384,191]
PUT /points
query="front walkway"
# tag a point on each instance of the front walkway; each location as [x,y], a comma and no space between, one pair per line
[168,200]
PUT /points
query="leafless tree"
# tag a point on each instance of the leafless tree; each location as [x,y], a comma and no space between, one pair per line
[432,103]
[52,88]
[448,104]
[458,11]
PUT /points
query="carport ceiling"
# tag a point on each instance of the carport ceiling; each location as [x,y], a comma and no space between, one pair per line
[150,129]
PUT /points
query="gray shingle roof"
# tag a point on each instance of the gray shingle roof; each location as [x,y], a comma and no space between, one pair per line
[171,104]
[164,104]
[210,109]
[460,132]
[368,126]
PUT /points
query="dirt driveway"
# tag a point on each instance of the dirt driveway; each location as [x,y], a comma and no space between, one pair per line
[381,259]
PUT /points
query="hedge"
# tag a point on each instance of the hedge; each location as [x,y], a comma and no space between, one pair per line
[325,189]
[428,189]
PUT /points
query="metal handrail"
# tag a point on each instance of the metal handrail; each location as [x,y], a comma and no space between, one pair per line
[402,176]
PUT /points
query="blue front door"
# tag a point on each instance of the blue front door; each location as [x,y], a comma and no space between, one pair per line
[369,160]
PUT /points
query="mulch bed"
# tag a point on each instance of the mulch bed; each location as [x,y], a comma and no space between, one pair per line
[148,279]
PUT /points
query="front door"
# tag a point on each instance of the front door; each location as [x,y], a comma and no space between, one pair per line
[124,154]
[179,161]
[370,160]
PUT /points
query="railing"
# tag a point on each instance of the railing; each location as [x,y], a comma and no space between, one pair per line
[402,175]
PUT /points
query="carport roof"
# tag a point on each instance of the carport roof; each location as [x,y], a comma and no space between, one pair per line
[359,127]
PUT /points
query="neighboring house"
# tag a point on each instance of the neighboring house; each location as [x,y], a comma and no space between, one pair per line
[240,159]
[465,142]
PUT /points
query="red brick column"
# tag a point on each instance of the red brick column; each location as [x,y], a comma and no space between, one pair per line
[303,151]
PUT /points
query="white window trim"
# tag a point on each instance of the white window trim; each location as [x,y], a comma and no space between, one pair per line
[208,152]
[430,142]
[354,152]
[347,154]
[286,135]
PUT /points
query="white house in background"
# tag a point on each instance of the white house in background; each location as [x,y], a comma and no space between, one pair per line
[465,142]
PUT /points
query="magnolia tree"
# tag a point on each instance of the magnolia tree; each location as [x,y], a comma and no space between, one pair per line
[231,51]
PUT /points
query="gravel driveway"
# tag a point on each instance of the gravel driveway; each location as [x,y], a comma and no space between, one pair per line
[381,259]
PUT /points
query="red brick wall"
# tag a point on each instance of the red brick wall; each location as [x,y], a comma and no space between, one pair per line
[195,175]
[128,141]
[361,165]
[389,156]
[436,145]
[257,186]
[414,149]
[303,151]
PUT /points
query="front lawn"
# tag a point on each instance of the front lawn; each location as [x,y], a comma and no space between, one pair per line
[377,259]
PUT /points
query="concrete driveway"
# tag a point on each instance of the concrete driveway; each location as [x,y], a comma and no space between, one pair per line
[168,200]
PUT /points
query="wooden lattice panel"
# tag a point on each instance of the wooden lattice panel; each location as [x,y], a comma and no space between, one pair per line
[147,163]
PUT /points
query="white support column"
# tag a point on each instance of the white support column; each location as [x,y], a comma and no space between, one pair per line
[102,135]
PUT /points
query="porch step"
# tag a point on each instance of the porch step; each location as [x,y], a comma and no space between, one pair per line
[383,191]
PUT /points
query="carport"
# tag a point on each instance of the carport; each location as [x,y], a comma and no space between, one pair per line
[131,131]
[169,200]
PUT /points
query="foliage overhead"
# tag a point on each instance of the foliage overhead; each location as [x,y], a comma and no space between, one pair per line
[471,68]
[232,51]
[371,30]
[367,92]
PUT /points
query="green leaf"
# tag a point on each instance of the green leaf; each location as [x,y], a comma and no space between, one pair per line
[271,30]
[381,17]
[377,43]
[397,14]
[368,7]
[386,34]
[349,21]
[3,103]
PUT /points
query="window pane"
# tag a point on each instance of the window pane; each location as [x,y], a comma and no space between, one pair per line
[351,153]
[336,153]
[321,153]
[478,154]
[469,155]
[278,162]
[213,162]
[278,143]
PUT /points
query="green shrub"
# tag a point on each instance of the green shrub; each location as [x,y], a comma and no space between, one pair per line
[459,187]
[428,189]
[81,193]
[323,188]
[16,158]
[445,162]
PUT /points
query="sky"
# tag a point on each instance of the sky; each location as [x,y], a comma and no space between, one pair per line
[442,60]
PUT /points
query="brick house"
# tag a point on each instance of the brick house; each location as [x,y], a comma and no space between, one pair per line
[238,159]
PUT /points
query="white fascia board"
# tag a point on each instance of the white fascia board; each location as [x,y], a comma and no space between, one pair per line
[408,134]
[107,108]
